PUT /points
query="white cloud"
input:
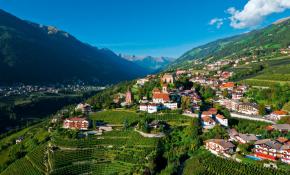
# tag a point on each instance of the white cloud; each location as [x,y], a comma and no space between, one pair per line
[217,21]
[255,11]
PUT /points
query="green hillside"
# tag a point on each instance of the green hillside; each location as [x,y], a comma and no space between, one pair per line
[255,43]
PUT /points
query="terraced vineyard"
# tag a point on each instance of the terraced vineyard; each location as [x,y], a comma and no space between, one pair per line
[22,166]
[119,152]
[116,152]
[205,163]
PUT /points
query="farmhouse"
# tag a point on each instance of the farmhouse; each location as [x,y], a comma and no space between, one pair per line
[220,146]
[76,123]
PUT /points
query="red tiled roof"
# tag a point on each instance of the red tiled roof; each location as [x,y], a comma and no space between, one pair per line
[269,128]
[206,113]
[163,96]
[156,90]
[228,85]
[280,112]
[282,139]
[207,119]
[220,116]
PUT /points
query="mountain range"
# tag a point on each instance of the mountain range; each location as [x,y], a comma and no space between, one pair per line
[33,53]
[255,43]
[153,64]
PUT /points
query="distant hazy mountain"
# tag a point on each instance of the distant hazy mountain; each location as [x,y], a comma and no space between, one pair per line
[33,53]
[258,42]
[148,62]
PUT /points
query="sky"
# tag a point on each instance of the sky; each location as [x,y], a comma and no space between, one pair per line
[150,27]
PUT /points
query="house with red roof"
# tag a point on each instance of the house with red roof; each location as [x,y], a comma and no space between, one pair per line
[160,98]
[228,86]
[222,120]
[277,115]
[77,123]
[208,122]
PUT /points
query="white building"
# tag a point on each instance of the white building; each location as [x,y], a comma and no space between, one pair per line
[142,81]
[152,108]
[170,105]
[222,120]
[143,107]
[207,122]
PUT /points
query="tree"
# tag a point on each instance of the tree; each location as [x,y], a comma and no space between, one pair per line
[126,124]
[262,109]
[225,93]
[185,102]
[244,148]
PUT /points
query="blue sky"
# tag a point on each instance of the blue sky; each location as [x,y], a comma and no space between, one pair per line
[149,27]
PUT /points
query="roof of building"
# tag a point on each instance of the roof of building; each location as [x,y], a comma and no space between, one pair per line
[77,119]
[272,144]
[224,143]
[285,147]
[228,85]
[280,112]
[206,113]
[220,116]
[167,75]
[163,96]
[254,105]
[282,139]
[207,119]
[263,141]
[233,132]
[248,137]
[281,127]
[156,90]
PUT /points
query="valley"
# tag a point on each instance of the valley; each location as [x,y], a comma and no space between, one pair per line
[70,108]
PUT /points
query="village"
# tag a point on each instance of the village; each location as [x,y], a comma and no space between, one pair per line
[26,90]
[188,101]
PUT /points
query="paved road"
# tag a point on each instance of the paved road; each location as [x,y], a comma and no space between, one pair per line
[243,116]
